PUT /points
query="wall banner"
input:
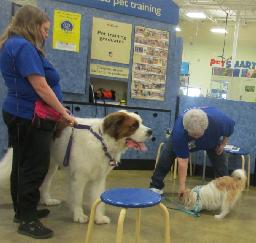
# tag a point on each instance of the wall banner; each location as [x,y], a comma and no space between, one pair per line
[149,63]
[111,41]
[109,71]
[66,31]
[242,69]
[159,10]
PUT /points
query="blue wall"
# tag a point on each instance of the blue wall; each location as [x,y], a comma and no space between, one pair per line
[75,71]
[243,113]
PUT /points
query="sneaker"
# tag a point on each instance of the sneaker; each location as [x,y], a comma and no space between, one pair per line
[35,229]
[42,213]
[159,191]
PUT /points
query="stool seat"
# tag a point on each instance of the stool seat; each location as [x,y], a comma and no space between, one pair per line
[237,152]
[130,197]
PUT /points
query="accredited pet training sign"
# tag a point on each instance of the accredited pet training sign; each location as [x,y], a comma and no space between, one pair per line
[66,31]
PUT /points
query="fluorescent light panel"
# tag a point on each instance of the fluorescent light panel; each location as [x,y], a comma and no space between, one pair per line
[218,30]
[196,15]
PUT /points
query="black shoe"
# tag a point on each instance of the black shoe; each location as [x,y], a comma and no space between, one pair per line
[42,213]
[35,229]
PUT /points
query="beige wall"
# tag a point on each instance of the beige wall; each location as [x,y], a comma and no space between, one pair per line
[200,45]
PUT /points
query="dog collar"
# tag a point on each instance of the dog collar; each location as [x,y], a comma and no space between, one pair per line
[112,162]
[198,205]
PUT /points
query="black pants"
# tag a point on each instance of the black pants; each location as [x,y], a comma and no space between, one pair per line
[167,158]
[31,157]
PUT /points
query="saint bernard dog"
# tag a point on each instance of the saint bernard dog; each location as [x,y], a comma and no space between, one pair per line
[93,148]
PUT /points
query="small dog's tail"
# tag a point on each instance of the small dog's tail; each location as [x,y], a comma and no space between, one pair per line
[6,166]
[239,174]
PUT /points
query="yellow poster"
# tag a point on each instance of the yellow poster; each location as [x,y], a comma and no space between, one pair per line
[111,41]
[109,71]
[66,31]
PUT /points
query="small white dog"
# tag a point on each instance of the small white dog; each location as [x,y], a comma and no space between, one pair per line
[221,193]
[97,146]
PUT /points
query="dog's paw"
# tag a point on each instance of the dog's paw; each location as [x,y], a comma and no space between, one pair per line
[81,218]
[51,202]
[102,220]
[218,216]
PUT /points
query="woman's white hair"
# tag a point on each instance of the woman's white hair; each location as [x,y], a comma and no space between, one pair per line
[195,121]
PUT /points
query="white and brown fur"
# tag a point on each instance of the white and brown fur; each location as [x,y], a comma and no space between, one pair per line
[88,165]
[221,193]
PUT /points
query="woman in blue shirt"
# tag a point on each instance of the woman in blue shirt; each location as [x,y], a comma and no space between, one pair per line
[204,128]
[29,76]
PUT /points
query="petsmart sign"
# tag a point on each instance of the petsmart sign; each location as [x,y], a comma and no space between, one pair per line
[160,10]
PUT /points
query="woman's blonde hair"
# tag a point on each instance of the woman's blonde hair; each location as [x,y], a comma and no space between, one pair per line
[195,121]
[26,23]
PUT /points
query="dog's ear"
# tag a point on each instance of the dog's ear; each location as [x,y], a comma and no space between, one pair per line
[112,122]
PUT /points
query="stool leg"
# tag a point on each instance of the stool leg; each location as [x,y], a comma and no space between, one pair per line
[175,169]
[204,165]
[190,164]
[243,161]
[249,171]
[120,226]
[138,216]
[166,223]
[91,221]
[172,172]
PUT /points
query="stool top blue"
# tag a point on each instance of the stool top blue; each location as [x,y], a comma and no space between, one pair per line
[239,152]
[130,197]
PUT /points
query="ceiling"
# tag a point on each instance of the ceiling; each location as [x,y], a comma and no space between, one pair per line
[217,10]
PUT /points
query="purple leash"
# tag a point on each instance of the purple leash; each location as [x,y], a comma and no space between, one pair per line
[112,162]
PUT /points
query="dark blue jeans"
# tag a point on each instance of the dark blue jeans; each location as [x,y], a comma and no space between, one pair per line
[167,158]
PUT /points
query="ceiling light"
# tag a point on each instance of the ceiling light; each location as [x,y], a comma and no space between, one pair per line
[196,15]
[218,30]
[178,29]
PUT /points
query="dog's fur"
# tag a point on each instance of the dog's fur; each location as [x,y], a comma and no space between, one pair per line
[89,166]
[221,193]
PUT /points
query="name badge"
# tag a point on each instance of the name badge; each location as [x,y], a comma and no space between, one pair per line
[191,144]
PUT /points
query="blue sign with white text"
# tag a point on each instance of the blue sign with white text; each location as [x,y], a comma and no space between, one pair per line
[159,10]
[184,70]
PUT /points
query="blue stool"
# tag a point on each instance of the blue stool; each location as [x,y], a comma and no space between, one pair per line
[230,149]
[129,198]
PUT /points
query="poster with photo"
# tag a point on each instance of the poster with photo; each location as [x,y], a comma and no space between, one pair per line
[149,63]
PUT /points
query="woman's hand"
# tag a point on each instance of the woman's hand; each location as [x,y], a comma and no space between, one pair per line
[220,149]
[181,191]
[69,119]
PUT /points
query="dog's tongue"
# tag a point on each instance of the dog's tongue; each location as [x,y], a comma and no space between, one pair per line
[136,145]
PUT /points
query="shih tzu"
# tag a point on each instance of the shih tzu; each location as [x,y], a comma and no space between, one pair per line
[221,193]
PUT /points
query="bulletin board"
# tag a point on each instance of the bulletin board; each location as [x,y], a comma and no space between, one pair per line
[149,63]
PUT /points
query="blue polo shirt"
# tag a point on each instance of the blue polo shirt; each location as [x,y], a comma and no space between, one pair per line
[220,125]
[19,59]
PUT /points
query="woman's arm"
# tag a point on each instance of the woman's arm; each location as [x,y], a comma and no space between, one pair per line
[182,170]
[48,96]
